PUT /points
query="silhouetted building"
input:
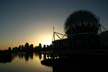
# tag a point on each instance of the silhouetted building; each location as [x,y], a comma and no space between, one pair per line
[81,22]
[63,43]
[81,28]
[104,39]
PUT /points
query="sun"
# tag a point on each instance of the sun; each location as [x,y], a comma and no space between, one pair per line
[46,42]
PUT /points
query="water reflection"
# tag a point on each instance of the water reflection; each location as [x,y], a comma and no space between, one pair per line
[45,62]
[48,62]
[61,63]
[44,56]
[38,62]
[74,62]
[22,62]
[6,56]
[25,55]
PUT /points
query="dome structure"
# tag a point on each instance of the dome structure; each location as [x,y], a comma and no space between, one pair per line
[81,22]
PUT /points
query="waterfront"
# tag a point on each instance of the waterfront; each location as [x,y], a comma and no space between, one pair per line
[24,63]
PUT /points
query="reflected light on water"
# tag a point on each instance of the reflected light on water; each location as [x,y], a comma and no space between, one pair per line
[46,56]
[23,65]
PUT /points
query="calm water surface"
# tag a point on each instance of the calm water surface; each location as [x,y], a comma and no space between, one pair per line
[24,63]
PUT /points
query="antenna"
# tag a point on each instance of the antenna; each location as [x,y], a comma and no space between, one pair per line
[53,39]
[53,29]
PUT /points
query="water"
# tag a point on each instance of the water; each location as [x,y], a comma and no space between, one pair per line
[48,62]
[38,62]
[24,63]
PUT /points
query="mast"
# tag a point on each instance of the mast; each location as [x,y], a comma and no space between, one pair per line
[53,39]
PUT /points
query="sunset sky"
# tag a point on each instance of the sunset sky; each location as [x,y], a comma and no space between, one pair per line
[32,21]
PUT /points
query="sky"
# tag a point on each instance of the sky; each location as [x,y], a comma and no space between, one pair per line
[32,21]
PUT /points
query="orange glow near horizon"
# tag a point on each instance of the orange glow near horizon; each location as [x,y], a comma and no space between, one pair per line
[44,39]
[31,34]
[46,42]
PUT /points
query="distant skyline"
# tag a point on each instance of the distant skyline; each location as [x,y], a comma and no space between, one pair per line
[32,21]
